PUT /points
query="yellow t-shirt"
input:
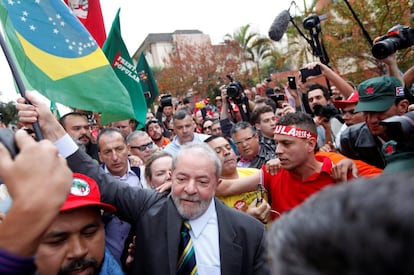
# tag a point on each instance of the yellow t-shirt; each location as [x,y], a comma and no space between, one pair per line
[242,201]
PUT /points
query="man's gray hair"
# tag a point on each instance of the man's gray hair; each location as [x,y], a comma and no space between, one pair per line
[135,134]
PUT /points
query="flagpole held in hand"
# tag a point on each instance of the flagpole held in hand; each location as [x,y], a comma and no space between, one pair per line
[19,82]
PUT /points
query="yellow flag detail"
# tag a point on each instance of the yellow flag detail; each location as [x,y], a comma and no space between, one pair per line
[67,66]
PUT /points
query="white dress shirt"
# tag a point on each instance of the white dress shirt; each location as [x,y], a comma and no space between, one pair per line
[205,236]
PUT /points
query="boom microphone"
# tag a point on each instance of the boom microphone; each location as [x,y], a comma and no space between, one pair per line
[279,26]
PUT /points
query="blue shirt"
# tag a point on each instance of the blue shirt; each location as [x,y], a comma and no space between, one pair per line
[116,230]
[174,146]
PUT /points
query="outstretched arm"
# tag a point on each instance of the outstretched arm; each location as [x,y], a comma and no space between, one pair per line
[237,186]
[126,199]
[393,70]
[334,78]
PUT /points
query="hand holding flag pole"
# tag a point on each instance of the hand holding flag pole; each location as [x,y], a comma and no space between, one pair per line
[19,82]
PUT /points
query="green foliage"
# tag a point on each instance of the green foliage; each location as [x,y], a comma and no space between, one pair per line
[9,113]
[251,57]
[346,45]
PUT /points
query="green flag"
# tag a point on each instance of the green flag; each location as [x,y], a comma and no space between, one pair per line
[54,109]
[148,83]
[117,54]
[57,56]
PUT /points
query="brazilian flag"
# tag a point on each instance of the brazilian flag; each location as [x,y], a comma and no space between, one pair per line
[59,58]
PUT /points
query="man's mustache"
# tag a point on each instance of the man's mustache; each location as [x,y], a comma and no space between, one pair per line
[84,136]
[79,264]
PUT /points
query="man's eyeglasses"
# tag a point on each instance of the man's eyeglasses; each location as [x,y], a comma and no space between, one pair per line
[244,140]
[207,128]
[143,147]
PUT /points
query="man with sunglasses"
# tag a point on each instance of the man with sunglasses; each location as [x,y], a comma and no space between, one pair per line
[113,153]
[141,145]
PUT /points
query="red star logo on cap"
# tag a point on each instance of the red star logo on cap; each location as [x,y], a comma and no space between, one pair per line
[370,90]
[389,149]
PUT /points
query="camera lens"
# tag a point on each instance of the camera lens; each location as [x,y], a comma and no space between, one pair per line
[233,90]
[385,48]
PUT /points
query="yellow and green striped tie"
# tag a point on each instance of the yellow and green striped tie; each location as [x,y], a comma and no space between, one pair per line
[186,261]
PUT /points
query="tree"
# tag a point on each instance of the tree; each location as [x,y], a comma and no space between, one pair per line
[196,67]
[9,113]
[345,43]
[260,51]
[377,16]
[243,39]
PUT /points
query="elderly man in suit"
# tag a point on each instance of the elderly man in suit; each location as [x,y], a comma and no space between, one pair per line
[225,241]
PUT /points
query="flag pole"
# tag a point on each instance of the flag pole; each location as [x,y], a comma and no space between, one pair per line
[19,82]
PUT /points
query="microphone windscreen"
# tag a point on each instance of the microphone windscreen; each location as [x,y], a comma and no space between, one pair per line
[279,26]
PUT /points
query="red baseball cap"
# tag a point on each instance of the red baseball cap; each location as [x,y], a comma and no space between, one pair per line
[352,99]
[85,192]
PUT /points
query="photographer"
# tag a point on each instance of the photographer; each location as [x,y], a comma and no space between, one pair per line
[164,114]
[277,95]
[326,116]
[237,101]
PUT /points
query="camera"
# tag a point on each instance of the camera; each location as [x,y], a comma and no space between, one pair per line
[401,129]
[235,93]
[397,38]
[327,111]
[234,89]
[305,72]
[166,100]
[277,97]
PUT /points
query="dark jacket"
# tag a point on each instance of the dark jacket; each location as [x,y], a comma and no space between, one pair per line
[357,142]
[158,223]
[267,152]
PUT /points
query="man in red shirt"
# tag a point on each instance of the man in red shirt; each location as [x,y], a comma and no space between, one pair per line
[301,173]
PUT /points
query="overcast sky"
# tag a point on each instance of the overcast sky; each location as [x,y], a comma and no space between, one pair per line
[214,17]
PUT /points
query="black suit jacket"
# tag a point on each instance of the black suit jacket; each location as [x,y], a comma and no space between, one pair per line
[158,223]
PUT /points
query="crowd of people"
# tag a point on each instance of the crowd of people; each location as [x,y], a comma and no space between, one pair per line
[257,183]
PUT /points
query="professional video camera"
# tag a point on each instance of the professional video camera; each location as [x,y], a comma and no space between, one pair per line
[397,38]
[235,93]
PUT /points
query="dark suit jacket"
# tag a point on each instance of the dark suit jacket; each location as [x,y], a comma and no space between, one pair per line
[241,237]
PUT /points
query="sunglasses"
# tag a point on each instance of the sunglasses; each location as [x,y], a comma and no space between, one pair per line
[143,147]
